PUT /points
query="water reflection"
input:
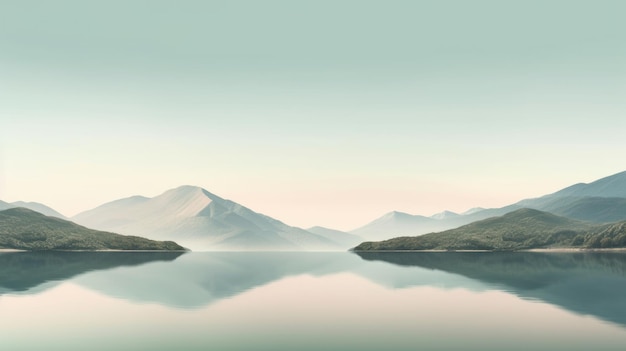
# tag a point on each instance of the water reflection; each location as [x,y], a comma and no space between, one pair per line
[585,283]
[26,271]
[199,279]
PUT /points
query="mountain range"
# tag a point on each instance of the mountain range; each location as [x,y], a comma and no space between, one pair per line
[602,201]
[200,220]
[521,229]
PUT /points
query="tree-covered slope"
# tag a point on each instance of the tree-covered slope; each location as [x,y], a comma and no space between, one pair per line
[23,229]
[601,201]
[518,230]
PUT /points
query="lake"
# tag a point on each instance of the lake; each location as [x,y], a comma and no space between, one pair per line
[312,301]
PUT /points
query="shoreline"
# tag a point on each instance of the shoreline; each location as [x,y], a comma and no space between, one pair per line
[19,250]
[575,249]
[545,250]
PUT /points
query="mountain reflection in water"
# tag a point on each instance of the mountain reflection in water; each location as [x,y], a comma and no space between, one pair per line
[585,283]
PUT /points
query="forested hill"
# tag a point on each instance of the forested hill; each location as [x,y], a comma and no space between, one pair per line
[519,230]
[24,229]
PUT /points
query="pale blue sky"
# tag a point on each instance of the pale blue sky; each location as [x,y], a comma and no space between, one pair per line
[314,112]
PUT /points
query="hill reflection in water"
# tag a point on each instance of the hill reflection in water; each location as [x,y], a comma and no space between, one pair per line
[590,283]
[23,271]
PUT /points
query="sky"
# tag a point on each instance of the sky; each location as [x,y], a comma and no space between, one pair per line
[327,113]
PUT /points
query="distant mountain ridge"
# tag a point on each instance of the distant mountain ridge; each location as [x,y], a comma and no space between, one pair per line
[601,201]
[202,221]
[518,230]
[445,215]
[34,206]
[397,223]
[611,186]
[208,221]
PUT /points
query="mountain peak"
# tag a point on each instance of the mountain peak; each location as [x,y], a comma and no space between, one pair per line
[473,210]
[21,210]
[444,215]
[396,215]
[202,220]
[192,190]
[183,201]
[34,206]
[185,190]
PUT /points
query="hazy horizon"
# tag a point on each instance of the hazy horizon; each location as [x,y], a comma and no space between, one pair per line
[314,113]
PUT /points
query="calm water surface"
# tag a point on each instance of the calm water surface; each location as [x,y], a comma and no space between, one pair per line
[312,301]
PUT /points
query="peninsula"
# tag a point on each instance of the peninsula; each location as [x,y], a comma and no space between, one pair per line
[24,229]
[523,229]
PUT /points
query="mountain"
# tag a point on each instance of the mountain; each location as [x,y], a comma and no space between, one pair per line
[517,230]
[602,201]
[34,206]
[611,186]
[397,223]
[592,209]
[202,221]
[445,215]
[472,211]
[343,238]
[23,229]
